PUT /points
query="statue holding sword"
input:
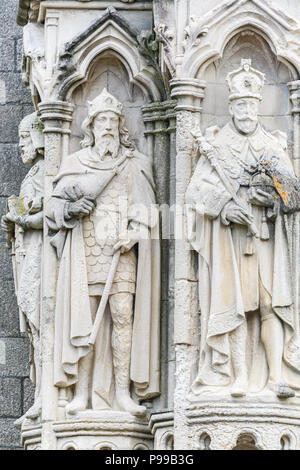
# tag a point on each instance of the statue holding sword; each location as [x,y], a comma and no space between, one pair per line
[240,203]
[106,235]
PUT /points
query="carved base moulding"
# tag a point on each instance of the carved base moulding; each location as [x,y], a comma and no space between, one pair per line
[246,425]
[162,427]
[94,431]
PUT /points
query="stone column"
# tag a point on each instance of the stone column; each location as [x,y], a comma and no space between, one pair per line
[189,94]
[294,88]
[56,117]
[51,31]
[160,131]
[182,8]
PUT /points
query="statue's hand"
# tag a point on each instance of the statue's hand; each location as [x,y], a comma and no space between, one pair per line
[8,223]
[260,198]
[125,245]
[236,214]
[83,207]
[205,148]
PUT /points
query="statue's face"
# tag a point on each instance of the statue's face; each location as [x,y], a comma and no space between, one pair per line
[106,132]
[244,112]
[28,152]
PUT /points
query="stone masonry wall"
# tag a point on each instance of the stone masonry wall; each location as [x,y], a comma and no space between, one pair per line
[15,102]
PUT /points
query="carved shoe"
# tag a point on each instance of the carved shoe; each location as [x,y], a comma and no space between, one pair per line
[126,403]
[283,391]
[239,388]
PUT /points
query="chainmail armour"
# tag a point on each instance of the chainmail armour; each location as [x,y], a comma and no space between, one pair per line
[101,231]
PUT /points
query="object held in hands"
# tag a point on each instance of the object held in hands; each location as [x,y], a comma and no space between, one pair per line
[210,153]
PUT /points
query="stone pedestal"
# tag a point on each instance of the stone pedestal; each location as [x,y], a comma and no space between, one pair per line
[161,425]
[90,430]
[243,425]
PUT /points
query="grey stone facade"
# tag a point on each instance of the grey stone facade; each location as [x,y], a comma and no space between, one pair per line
[15,103]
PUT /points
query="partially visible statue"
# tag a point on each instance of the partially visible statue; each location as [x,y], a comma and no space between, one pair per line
[239,203]
[23,224]
[109,275]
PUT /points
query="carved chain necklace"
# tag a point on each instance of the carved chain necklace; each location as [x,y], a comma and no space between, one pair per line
[231,165]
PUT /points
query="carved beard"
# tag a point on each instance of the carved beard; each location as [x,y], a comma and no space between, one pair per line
[246,125]
[28,154]
[108,147]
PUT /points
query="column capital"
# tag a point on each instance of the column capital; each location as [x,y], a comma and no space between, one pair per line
[189,93]
[54,114]
[56,110]
[159,112]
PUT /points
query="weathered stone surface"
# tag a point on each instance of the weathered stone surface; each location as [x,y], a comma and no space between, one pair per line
[19,55]
[7,56]
[3,210]
[17,358]
[16,92]
[28,396]
[8,26]
[10,397]
[12,170]
[9,318]
[2,352]
[6,271]
[9,435]
[10,116]
[14,354]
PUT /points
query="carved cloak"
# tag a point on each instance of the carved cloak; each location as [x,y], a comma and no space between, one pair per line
[73,323]
[29,268]
[225,294]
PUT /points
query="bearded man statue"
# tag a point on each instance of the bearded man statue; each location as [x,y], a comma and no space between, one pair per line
[101,204]
[24,227]
[240,223]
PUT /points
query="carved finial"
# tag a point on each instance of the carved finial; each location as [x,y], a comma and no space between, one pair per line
[111,10]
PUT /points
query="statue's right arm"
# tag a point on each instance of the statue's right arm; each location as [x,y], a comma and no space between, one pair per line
[206,193]
[64,214]
[7,223]
[34,221]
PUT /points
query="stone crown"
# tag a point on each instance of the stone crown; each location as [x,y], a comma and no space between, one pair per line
[245,82]
[104,102]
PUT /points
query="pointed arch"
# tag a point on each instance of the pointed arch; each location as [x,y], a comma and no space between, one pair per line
[111,33]
[206,38]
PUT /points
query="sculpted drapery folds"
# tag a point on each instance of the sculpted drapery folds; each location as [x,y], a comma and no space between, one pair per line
[240,201]
[101,205]
[23,224]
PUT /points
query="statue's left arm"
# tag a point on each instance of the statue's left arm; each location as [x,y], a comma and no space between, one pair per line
[142,212]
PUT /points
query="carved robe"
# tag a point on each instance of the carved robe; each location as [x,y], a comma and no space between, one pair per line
[229,274]
[77,281]
[29,258]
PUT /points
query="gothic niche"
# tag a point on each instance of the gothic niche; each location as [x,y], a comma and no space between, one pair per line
[108,72]
[275,107]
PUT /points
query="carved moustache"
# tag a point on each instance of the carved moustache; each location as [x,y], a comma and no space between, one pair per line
[247,118]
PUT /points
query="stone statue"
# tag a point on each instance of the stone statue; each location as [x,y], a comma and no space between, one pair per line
[101,205]
[24,227]
[240,203]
